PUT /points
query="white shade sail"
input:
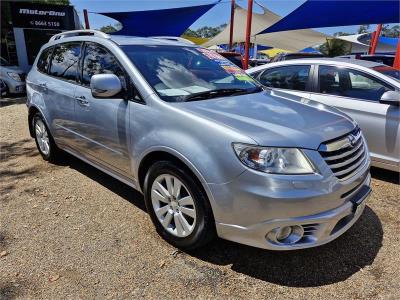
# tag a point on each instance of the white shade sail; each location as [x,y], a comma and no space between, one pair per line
[289,40]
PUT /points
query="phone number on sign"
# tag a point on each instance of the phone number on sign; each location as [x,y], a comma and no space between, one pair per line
[45,23]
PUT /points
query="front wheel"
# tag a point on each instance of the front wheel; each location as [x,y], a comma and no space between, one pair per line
[44,141]
[178,206]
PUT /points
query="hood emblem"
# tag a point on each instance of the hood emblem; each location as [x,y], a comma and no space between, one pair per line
[352,140]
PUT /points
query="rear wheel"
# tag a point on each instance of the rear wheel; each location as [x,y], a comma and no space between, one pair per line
[178,206]
[44,141]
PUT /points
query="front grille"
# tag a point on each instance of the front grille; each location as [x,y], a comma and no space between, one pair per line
[346,155]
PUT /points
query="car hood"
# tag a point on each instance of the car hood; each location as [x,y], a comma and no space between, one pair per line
[274,118]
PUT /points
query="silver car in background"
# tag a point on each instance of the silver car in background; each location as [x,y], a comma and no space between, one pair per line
[369,92]
[13,77]
[212,152]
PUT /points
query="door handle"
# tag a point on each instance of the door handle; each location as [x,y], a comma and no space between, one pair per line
[82,100]
[43,85]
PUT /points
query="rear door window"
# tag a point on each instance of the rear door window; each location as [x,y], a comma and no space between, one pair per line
[64,63]
[351,83]
[287,77]
[44,60]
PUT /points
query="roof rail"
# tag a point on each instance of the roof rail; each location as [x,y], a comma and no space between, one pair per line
[81,32]
[173,38]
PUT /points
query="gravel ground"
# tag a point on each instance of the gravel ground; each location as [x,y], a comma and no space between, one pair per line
[70,231]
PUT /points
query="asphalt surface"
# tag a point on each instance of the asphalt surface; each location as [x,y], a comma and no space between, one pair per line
[70,231]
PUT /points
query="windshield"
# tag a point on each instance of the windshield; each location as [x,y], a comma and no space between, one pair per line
[4,63]
[178,74]
[389,71]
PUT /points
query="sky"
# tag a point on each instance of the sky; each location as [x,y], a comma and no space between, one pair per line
[218,15]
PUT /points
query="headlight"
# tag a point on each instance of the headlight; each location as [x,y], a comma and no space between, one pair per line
[14,76]
[274,160]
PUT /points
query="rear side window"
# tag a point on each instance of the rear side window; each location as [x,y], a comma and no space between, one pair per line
[64,63]
[288,77]
[44,60]
[98,60]
[350,83]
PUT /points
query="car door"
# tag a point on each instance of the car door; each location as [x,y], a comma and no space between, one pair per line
[102,123]
[293,79]
[60,87]
[357,94]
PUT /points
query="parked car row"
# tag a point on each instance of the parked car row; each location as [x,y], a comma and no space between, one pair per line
[213,152]
[369,92]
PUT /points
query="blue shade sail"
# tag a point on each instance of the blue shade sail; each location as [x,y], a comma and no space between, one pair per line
[328,13]
[167,22]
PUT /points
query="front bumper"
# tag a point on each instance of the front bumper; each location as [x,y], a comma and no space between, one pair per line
[15,87]
[249,208]
[316,229]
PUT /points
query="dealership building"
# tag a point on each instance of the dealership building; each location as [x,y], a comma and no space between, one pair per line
[27,26]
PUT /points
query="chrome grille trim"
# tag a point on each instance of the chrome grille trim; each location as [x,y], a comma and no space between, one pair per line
[346,155]
[339,156]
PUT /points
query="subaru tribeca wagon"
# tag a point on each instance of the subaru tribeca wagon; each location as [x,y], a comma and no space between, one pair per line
[212,152]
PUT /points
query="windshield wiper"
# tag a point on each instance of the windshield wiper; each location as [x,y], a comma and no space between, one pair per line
[220,92]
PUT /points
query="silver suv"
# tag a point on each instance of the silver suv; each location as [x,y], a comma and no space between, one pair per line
[212,152]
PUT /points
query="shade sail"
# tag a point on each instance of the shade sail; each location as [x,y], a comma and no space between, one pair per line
[328,13]
[293,41]
[168,22]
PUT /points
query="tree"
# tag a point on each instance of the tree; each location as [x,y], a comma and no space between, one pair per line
[393,32]
[205,31]
[363,29]
[108,29]
[335,47]
[341,33]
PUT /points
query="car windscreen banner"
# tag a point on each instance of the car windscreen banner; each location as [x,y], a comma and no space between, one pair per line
[32,15]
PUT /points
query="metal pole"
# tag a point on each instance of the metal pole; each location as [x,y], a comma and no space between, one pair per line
[375,39]
[231,26]
[86,17]
[255,46]
[396,63]
[248,33]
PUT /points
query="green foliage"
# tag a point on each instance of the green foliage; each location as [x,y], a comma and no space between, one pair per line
[335,47]
[363,29]
[341,33]
[393,32]
[108,29]
[205,32]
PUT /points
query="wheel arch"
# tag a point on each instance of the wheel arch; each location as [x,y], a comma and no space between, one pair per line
[31,112]
[158,154]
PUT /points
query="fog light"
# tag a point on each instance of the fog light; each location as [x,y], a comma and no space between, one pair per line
[283,233]
[286,235]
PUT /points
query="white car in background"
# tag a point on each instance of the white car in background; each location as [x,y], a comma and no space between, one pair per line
[13,77]
[369,92]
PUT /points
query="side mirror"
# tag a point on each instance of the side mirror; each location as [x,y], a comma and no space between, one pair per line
[105,85]
[391,98]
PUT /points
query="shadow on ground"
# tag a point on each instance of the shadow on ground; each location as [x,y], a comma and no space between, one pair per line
[114,185]
[333,262]
[385,175]
[17,99]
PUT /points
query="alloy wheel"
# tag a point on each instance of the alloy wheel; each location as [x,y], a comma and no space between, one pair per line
[173,205]
[42,137]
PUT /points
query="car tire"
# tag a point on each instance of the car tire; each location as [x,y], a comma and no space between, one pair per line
[44,140]
[192,223]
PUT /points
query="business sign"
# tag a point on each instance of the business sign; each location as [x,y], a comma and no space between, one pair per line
[32,15]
